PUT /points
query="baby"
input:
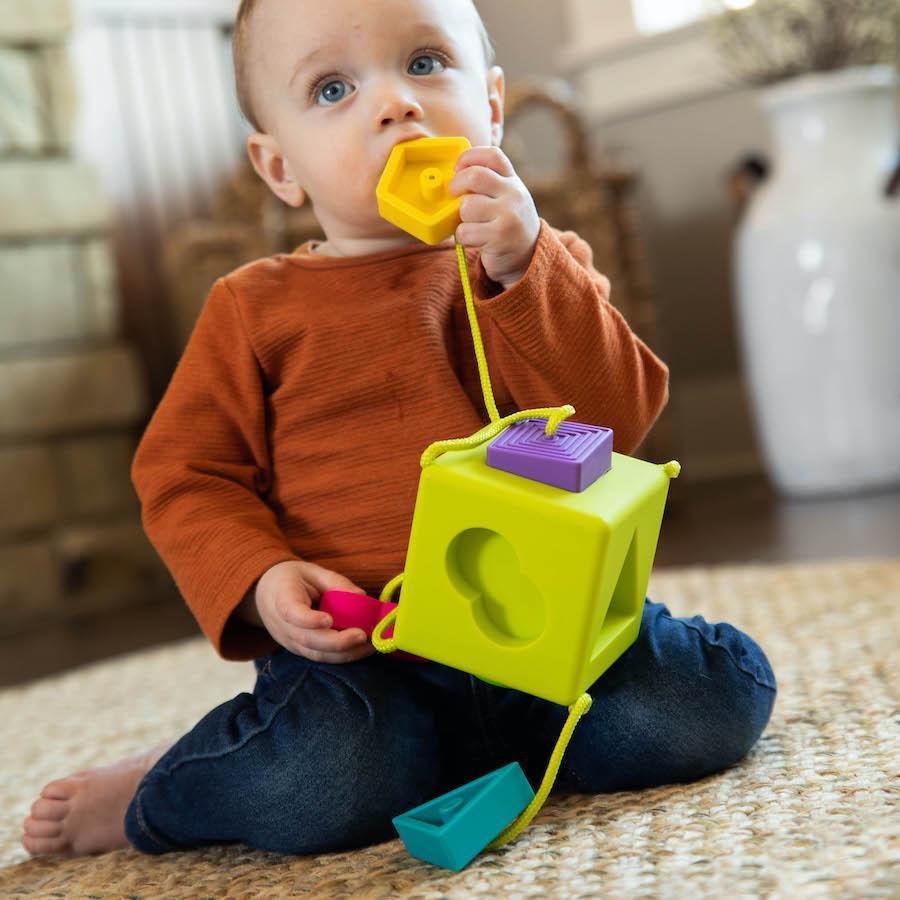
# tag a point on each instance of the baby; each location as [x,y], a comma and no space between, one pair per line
[283,462]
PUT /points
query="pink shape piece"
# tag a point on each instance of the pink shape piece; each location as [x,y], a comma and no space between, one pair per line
[350,610]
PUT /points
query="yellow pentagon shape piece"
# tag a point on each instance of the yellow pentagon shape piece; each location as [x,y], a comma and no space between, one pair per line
[524,584]
[413,189]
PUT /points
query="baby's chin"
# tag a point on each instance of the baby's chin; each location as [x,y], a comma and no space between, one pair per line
[376,228]
[376,232]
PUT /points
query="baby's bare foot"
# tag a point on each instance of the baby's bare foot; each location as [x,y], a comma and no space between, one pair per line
[84,813]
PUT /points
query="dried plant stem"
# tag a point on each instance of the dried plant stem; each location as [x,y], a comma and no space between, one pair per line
[777,39]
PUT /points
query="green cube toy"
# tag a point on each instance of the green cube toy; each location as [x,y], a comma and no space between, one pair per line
[525,584]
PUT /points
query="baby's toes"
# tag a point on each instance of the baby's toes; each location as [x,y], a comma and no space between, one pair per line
[45,808]
[39,845]
[63,788]
[42,828]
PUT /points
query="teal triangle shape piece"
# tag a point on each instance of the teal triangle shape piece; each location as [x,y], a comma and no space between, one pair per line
[452,829]
[445,808]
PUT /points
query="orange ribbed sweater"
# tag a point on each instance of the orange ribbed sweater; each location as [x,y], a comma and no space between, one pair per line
[293,424]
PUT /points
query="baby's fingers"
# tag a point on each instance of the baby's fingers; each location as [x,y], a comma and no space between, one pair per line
[489,157]
[478,208]
[335,646]
[345,656]
[299,615]
[331,641]
[478,180]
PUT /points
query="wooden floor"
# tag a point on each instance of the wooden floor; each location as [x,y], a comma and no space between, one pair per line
[745,521]
[740,521]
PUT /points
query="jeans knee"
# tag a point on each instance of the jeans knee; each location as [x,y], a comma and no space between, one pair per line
[687,699]
[321,761]
[339,785]
[735,694]
[327,816]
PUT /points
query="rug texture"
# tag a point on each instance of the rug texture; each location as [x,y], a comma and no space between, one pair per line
[812,811]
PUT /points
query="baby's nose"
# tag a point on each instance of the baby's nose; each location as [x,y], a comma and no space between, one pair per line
[397,108]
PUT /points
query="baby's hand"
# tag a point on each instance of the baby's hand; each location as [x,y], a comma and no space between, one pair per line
[498,214]
[284,598]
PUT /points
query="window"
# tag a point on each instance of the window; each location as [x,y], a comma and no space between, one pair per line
[652,16]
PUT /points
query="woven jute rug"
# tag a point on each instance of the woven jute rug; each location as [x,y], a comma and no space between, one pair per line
[812,811]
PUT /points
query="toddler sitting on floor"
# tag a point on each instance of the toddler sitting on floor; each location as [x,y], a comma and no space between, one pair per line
[283,461]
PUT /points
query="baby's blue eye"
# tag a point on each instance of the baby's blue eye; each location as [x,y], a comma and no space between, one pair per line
[333,91]
[426,64]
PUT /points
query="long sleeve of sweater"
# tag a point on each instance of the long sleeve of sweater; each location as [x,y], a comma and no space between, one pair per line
[557,339]
[200,470]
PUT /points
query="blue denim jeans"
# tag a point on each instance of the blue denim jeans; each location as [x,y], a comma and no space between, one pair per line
[320,757]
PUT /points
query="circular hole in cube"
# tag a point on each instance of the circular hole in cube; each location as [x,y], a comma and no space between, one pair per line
[507,607]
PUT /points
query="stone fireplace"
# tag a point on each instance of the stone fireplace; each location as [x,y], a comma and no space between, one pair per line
[72,394]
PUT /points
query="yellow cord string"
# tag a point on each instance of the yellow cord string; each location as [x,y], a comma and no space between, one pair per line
[382,644]
[486,388]
[387,592]
[554,415]
[576,711]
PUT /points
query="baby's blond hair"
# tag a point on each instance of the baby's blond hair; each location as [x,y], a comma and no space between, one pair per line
[239,54]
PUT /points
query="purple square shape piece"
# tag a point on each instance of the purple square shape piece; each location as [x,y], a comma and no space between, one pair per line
[572,459]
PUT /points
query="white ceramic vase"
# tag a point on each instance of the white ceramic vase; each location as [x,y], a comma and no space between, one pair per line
[817,270]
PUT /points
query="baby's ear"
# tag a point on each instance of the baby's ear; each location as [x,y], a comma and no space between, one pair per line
[496,85]
[268,160]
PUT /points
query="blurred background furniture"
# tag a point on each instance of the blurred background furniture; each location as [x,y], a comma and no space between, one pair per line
[72,392]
